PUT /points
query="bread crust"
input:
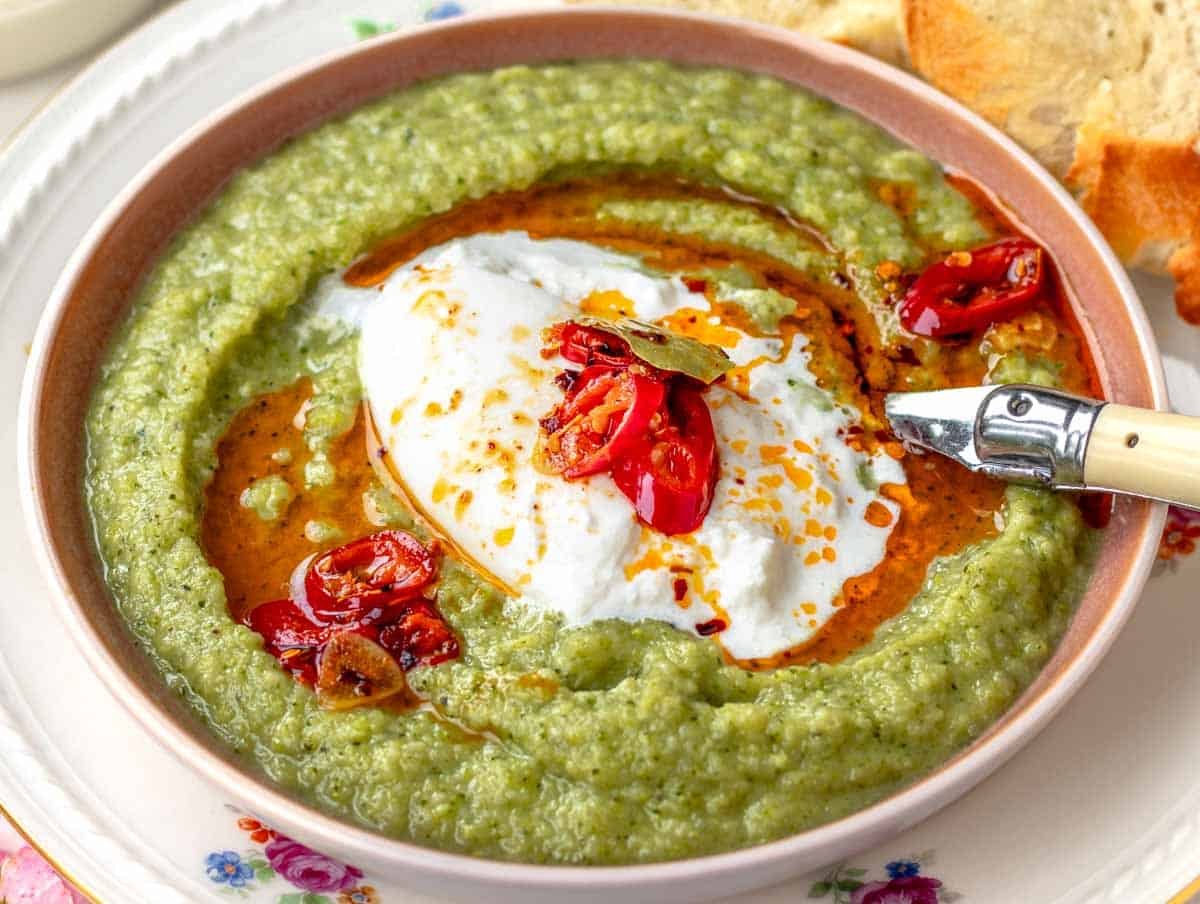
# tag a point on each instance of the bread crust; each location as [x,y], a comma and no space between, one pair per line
[1145,197]
[1142,192]
[958,52]
[872,26]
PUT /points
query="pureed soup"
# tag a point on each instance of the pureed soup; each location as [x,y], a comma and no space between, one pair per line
[503,466]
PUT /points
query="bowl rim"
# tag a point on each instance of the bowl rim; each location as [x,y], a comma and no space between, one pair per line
[949,780]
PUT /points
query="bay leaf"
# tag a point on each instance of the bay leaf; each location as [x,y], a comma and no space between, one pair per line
[665,350]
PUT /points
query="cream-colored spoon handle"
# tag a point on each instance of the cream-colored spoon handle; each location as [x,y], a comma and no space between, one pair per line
[1147,453]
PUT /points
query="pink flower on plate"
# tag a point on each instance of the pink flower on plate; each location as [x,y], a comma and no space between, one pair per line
[25,878]
[1181,534]
[904,890]
[308,870]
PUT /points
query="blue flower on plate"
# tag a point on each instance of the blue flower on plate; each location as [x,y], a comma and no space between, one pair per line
[446,10]
[227,868]
[902,869]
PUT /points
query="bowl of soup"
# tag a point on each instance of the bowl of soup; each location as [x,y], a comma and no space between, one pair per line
[467,451]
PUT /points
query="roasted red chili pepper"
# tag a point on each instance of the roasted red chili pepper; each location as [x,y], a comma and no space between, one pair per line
[671,474]
[587,345]
[290,636]
[606,411]
[420,636]
[970,290]
[371,586]
[649,428]
[368,573]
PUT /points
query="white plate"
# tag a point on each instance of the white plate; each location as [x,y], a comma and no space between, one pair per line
[1103,806]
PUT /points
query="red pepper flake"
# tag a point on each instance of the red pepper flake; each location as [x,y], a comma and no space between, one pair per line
[681,589]
[696,285]
[712,626]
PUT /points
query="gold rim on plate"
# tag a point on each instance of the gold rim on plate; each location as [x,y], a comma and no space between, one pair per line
[1189,892]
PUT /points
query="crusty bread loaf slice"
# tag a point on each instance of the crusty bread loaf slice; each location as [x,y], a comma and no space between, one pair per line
[869,25]
[1106,93]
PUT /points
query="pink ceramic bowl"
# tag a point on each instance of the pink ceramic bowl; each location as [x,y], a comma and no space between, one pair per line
[95,291]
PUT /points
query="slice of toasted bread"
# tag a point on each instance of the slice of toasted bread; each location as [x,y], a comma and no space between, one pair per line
[869,25]
[1106,93]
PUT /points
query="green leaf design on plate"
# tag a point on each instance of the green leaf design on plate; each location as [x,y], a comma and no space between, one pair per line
[302,897]
[820,889]
[665,350]
[856,872]
[848,884]
[369,28]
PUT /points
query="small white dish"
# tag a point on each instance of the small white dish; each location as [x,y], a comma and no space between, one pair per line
[35,34]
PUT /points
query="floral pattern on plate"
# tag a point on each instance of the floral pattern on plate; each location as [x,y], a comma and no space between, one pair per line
[1180,535]
[290,871]
[902,883]
[434,12]
[26,878]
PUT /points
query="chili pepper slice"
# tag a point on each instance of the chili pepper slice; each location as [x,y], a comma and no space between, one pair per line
[587,345]
[970,290]
[605,411]
[290,636]
[368,573]
[670,476]
[369,587]
[419,637]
